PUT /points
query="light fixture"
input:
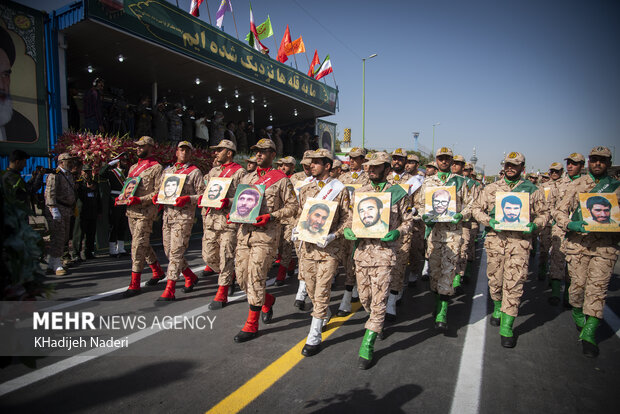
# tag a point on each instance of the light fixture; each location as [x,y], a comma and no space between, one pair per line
[264,104]
[252,99]
[89,68]
[121,58]
[236,93]
[219,88]
[226,104]
[209,99]
[295,112]
[271,117]
[239,108]
[197,81]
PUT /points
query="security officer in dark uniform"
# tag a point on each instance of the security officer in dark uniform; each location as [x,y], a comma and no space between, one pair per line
[115,172]
[89,207]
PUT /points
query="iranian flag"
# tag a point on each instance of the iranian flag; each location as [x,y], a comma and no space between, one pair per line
[193,8]
[325,69]
[254,40]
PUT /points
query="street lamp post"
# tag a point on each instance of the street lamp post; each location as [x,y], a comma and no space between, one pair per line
[364,98]
[434,125]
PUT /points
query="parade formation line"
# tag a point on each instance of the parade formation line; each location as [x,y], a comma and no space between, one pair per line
[466,397]
[254,387]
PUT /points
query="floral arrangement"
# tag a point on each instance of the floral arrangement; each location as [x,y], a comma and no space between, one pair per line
[98,150]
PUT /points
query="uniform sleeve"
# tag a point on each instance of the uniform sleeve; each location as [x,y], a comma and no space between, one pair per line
[289,201]
[467,198]
[344,217]
[406,214]
[50,190]
[553,201]
[540,208]
[158,176]
[480,206]
[198,184]
[566,207]
[418,200]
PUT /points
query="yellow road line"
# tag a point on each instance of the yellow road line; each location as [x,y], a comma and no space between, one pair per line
[252,389]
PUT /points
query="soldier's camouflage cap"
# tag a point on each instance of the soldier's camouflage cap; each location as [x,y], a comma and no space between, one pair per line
[515,158]
[252,159]
[321,153]
[601,152]
[458,158]
[556,166]
[399,152]
[185,144]
[345,167]
[337,164]
[145,140]
[413,157]
[225,143]
[544,175]
[65,156]
[444,151]
[264,143]
[306,159]
[287,160]
[468,166]
[357,152]
[431,164]
[576,157]
[378,158]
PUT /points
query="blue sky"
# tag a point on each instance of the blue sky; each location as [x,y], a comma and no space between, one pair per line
[539,77]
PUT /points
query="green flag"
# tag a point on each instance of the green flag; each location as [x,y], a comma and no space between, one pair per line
[264,30]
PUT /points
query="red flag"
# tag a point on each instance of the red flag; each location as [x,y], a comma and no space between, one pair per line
[284,44]
[193,8]
[315,61]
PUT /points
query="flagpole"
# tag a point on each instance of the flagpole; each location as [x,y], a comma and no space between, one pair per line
[209,12]
[295,62]
[274,39]
[306,53]
[335,83]
[235,21]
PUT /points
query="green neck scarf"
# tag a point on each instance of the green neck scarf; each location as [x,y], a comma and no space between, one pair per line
[443,176]
[510,182]
[379,187]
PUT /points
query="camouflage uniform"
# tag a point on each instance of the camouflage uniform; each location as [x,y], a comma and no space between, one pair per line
[469,230]
[545,234]
[178,221]
[402,257]
[590,257]
[219,238]
[557,267]
[351,177]
[141,217]
[60,194]
[318,265]
[508,251]
[375,260]
[445,239]
[256,246]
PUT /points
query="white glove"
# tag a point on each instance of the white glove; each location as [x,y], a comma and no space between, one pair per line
[55,213]
[114,162]
[294,235]
[326,240]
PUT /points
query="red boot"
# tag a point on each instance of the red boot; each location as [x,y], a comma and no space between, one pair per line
[221,298]
[168,294]
[267,309]
[158,274]
[134,285]
[191,280]
[281,275]
[250,329]
[208,271]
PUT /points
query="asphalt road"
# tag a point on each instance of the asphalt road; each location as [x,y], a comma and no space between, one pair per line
[417,369]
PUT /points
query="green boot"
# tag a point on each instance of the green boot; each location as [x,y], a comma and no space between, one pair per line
[505,330]
[456,283]
[556,287]
[441,320]
[437,305]
[367,349]
[587,336]
[497,313]
[579,318]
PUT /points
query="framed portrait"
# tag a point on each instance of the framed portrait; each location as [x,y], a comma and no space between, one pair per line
[316,219]
[171,187]
[512,210]
[371,214]
[440,203]
[129,189]
[247,202]
[216,189]
[600,211]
